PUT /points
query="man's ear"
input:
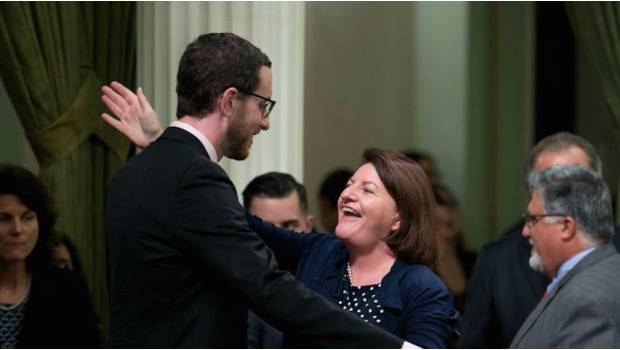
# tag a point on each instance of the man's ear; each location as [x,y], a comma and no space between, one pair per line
[227,101]
[310,222]
[568,228]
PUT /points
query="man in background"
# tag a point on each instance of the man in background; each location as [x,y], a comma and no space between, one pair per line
[331,188]
[279,199]
[569,221]
[503,289]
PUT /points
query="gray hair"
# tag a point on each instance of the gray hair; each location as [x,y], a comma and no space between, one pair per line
[577,192]
[562,141]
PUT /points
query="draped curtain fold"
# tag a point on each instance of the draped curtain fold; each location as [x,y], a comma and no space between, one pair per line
[53,58]
[597,28]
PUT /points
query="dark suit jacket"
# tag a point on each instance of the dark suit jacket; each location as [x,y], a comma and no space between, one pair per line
[185,267]
[582,311]
[59,312]
[502,292]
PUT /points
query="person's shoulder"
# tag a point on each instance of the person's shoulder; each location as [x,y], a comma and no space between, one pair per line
[323,245]
[414,276]
[56,283]
[420,287]
[199,166]
[604,272]
[328,240]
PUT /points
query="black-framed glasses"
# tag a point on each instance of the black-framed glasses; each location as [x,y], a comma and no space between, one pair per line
[266,107]
[531,219]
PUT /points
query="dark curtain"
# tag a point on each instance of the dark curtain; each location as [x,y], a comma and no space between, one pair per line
[597,28]
[54,56]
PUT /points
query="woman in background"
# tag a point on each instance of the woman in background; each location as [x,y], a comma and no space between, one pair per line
[40,306]
[457,263]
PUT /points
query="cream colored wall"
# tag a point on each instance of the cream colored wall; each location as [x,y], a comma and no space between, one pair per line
[453,79]
[439,96]
[358,83]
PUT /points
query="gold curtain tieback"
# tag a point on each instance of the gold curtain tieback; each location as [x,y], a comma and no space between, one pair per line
[56,141]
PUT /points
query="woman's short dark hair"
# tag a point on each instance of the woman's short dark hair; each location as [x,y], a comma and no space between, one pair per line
[34,195]
[415,241]
[211,64]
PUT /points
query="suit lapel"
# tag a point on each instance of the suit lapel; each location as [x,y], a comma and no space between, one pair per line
[594,257]
[531,319]
[600,253]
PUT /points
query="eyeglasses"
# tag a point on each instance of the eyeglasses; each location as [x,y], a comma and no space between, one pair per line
[531,219]
[266,107]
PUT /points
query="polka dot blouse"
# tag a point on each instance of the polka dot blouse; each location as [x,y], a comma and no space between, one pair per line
[362,300]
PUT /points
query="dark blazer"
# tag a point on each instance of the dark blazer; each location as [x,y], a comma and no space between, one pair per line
[583,310]
[502,292]
[185,266]
[59,312]
[418,306]
[467,259]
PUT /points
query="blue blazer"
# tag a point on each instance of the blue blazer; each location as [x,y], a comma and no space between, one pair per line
[418,306]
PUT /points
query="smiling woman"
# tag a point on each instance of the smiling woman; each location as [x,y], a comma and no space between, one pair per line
[40,306]
[379,263]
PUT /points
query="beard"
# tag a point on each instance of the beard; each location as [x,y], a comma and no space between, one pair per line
[535,261]
[239,138]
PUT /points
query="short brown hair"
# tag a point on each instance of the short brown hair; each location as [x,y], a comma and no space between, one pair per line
[211,64]
[415,241]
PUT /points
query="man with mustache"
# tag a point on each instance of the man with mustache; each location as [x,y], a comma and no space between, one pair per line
[503,289]
[569,221]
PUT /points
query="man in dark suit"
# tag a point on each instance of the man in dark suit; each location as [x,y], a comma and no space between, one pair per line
[276,198]
[503,289]
[569,221]
[184,265]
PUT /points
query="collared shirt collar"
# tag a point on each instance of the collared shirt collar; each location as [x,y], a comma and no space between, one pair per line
[567,266]
[203,139]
